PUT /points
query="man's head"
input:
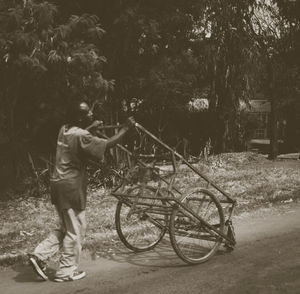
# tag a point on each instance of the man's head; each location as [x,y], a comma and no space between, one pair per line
[80,114]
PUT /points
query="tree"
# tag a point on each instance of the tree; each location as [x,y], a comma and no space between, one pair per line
[44,64]
[290,12]
[148,45]
[276,38]
[228,54]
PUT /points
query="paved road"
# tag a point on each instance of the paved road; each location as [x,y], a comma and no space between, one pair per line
[266,260]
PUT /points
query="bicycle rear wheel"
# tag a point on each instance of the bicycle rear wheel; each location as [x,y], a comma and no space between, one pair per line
[192,240]
[143,224]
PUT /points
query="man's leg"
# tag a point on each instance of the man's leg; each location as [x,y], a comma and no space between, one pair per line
[46,249]
[75,224]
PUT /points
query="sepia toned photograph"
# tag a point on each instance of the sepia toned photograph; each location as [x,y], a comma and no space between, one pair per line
[150,146]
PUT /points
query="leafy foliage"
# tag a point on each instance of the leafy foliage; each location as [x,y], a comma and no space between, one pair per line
[45,64]
[274,29]
[156,55]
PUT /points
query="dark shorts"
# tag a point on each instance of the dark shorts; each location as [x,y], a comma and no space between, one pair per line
[69,193]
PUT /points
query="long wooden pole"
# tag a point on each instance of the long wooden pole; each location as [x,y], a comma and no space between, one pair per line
[138,126]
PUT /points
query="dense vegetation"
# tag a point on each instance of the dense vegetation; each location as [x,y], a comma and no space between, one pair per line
[152,59]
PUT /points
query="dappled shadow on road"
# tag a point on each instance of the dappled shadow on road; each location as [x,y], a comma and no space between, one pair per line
[25,274]
[162,256]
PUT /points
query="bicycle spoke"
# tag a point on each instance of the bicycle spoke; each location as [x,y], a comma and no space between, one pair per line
[139,223]
[192,240]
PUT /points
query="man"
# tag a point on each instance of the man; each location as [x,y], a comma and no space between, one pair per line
[69,191]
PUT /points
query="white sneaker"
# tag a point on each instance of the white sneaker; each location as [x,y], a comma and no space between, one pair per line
[39,266]
[75,276]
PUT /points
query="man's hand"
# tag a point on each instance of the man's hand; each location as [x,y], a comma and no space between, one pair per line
[96,124]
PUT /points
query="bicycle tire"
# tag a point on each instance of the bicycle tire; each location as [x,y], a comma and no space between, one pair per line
[143,229]
[192,240]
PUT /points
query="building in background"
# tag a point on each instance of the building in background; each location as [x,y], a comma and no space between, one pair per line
[260,110]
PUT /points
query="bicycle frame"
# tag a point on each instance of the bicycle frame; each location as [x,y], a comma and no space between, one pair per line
[175,202]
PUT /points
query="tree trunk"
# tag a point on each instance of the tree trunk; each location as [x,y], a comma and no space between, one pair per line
[225,137]
[273,131]
[273,152]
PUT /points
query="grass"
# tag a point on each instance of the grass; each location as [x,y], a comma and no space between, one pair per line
[250,178]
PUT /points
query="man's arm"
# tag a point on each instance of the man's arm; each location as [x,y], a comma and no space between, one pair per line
[96,124]
[114,140]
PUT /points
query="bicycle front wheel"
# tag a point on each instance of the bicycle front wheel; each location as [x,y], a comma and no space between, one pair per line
[192,240]
[141,224]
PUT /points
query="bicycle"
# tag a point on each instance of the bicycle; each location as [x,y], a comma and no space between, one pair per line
[197,221]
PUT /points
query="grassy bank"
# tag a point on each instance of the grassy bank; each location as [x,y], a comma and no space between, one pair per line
[250,178]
